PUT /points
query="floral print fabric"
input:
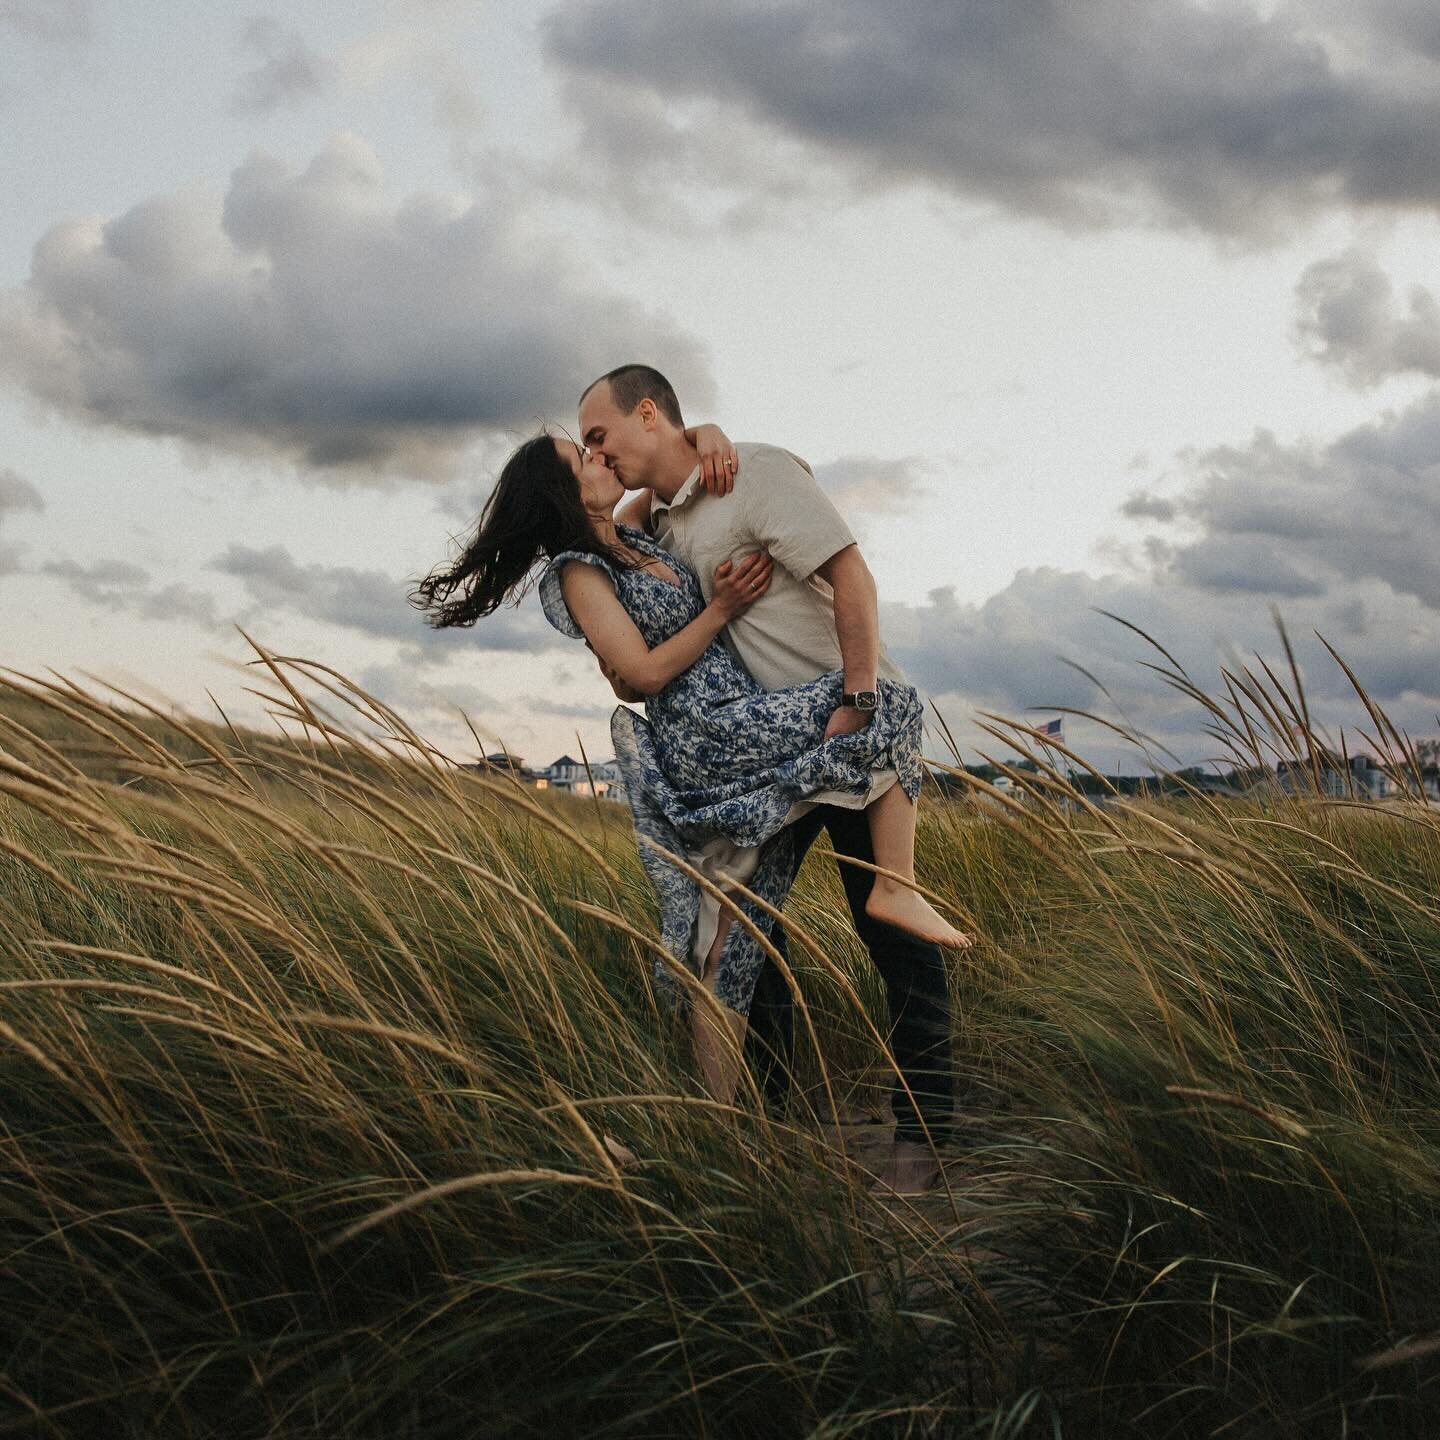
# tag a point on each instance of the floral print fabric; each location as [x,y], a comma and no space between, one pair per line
[717,757]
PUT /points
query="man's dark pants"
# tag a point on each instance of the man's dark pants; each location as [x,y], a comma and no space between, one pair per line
[915,986]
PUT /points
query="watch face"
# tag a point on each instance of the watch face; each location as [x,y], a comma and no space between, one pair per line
[862,699]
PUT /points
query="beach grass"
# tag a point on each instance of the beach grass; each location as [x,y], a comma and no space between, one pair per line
[309,1043]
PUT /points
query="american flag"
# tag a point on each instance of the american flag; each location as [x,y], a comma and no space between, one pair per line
[1053,729]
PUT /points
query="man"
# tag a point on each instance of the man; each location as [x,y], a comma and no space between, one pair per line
[820,614]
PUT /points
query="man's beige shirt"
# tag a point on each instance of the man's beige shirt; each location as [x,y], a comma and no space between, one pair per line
[787,636]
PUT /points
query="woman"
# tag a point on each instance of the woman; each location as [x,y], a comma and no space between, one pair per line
[718,767]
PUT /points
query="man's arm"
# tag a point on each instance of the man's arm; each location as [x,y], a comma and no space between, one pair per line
[795,520]
[857,628]
[635,512]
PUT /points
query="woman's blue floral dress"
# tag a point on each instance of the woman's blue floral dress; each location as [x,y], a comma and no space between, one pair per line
[717,759]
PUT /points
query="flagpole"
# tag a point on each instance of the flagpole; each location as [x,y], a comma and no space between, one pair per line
[1054,730]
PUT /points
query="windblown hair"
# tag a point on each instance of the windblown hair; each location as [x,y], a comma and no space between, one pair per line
[534,510]
[631,384]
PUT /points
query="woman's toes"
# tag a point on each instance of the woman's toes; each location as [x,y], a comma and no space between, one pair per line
[911,912]
[622,1155]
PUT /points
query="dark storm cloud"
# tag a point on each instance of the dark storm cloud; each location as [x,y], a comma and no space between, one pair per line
[1216,117]
[365,600]
[1363,508]
[120,587]
[1244,564]
[1020,654]
[1392,29]
[16,494]
[653,167]
[289,72]
[1349,318]
[1142,505]
[374,603]
[1004,652]
[1338,538]
[312,319]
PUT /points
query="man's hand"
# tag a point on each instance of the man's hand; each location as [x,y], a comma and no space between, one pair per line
[847,720]
[628,693]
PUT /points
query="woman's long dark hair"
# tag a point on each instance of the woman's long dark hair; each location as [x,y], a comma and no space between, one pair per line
[534,510]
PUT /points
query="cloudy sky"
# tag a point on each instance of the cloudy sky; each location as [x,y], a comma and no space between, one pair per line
[1075,306]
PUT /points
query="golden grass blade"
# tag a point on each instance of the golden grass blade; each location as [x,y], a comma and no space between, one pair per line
[27,1048]
[459,1186]
[73,774]
[108,987]
[396,1035]
[218,1032]
[26,857]
[1282,1123]
[189,977]
[190,732]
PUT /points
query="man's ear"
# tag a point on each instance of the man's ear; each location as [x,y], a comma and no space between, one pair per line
[648,413]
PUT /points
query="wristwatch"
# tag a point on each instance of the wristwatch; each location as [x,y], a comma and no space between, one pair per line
[861,699]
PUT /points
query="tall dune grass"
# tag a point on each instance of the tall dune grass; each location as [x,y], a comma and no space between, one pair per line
[308,1044]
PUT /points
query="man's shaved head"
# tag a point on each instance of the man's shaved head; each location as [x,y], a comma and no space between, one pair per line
[630,384]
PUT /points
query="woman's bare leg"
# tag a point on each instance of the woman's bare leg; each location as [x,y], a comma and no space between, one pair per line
[892,838]
[718,1053]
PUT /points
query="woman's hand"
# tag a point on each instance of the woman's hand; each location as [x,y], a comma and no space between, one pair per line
[739,584]
[718,460]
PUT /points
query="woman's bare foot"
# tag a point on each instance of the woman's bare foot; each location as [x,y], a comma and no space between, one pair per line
[854,1113]
[622,1155]
[910,1170]
[908,910]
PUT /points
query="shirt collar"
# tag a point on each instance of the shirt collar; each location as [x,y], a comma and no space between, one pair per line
[682,495]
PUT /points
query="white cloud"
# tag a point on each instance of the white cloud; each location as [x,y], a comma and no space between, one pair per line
[55,22]
[288,71]
[870,485]
[311,318]
[1348,319]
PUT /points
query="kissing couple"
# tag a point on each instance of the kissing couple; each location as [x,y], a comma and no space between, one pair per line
[728,594]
